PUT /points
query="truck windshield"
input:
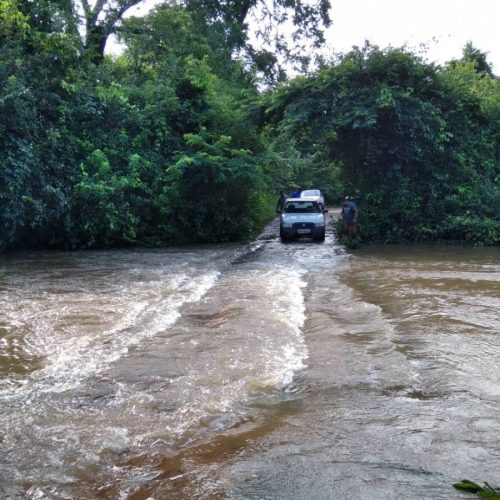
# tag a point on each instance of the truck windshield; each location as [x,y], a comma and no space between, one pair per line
[302,207]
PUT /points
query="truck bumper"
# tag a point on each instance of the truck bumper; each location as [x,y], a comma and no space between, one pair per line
[288,233]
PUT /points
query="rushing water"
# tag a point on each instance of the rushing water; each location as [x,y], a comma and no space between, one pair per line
[266,370]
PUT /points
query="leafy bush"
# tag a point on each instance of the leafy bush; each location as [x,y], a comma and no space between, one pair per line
[213,194]
[470,228]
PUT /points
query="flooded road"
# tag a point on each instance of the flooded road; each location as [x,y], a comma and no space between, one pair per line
[265,370]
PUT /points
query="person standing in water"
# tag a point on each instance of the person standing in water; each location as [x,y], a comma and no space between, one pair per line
[281,202]
[349,216]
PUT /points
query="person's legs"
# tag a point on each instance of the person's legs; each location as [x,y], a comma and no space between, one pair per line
[350,229]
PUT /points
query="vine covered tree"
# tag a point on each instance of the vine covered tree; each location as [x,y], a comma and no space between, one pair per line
[287,29]
[101,19]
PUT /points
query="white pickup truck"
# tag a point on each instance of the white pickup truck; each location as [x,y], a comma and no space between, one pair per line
[302,217]
[315,194]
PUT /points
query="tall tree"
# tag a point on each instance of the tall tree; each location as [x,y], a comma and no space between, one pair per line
[287,29]
[101,19]
[91,21]
[478,58]
[229,20]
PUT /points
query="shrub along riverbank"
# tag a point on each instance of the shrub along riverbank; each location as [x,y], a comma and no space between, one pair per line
[175,141]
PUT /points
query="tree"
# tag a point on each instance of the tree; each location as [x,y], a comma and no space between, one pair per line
[98,19]
[35,53]
[232,18]
[101,20]
[478,59]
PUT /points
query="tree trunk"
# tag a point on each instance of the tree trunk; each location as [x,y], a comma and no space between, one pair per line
[96,43]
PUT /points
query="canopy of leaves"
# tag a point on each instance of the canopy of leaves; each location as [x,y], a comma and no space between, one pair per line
[288,30]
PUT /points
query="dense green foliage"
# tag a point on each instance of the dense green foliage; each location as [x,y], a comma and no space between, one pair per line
[153,146]
[420,143]
[174,142]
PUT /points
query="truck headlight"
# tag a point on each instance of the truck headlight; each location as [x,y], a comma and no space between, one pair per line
[286,224]
[320,224]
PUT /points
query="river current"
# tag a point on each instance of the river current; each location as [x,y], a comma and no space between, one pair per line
[250,371]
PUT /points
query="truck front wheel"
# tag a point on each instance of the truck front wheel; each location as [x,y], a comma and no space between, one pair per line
[320,237]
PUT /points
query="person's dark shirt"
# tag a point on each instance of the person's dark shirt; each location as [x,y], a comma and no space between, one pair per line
[349,211]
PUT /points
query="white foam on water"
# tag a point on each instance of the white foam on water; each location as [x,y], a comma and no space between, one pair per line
[112,438]
[262,352]
[72,358]
[289,306]
[262,349]
[74,353]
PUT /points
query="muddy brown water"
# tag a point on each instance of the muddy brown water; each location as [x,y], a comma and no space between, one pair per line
[258,371]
